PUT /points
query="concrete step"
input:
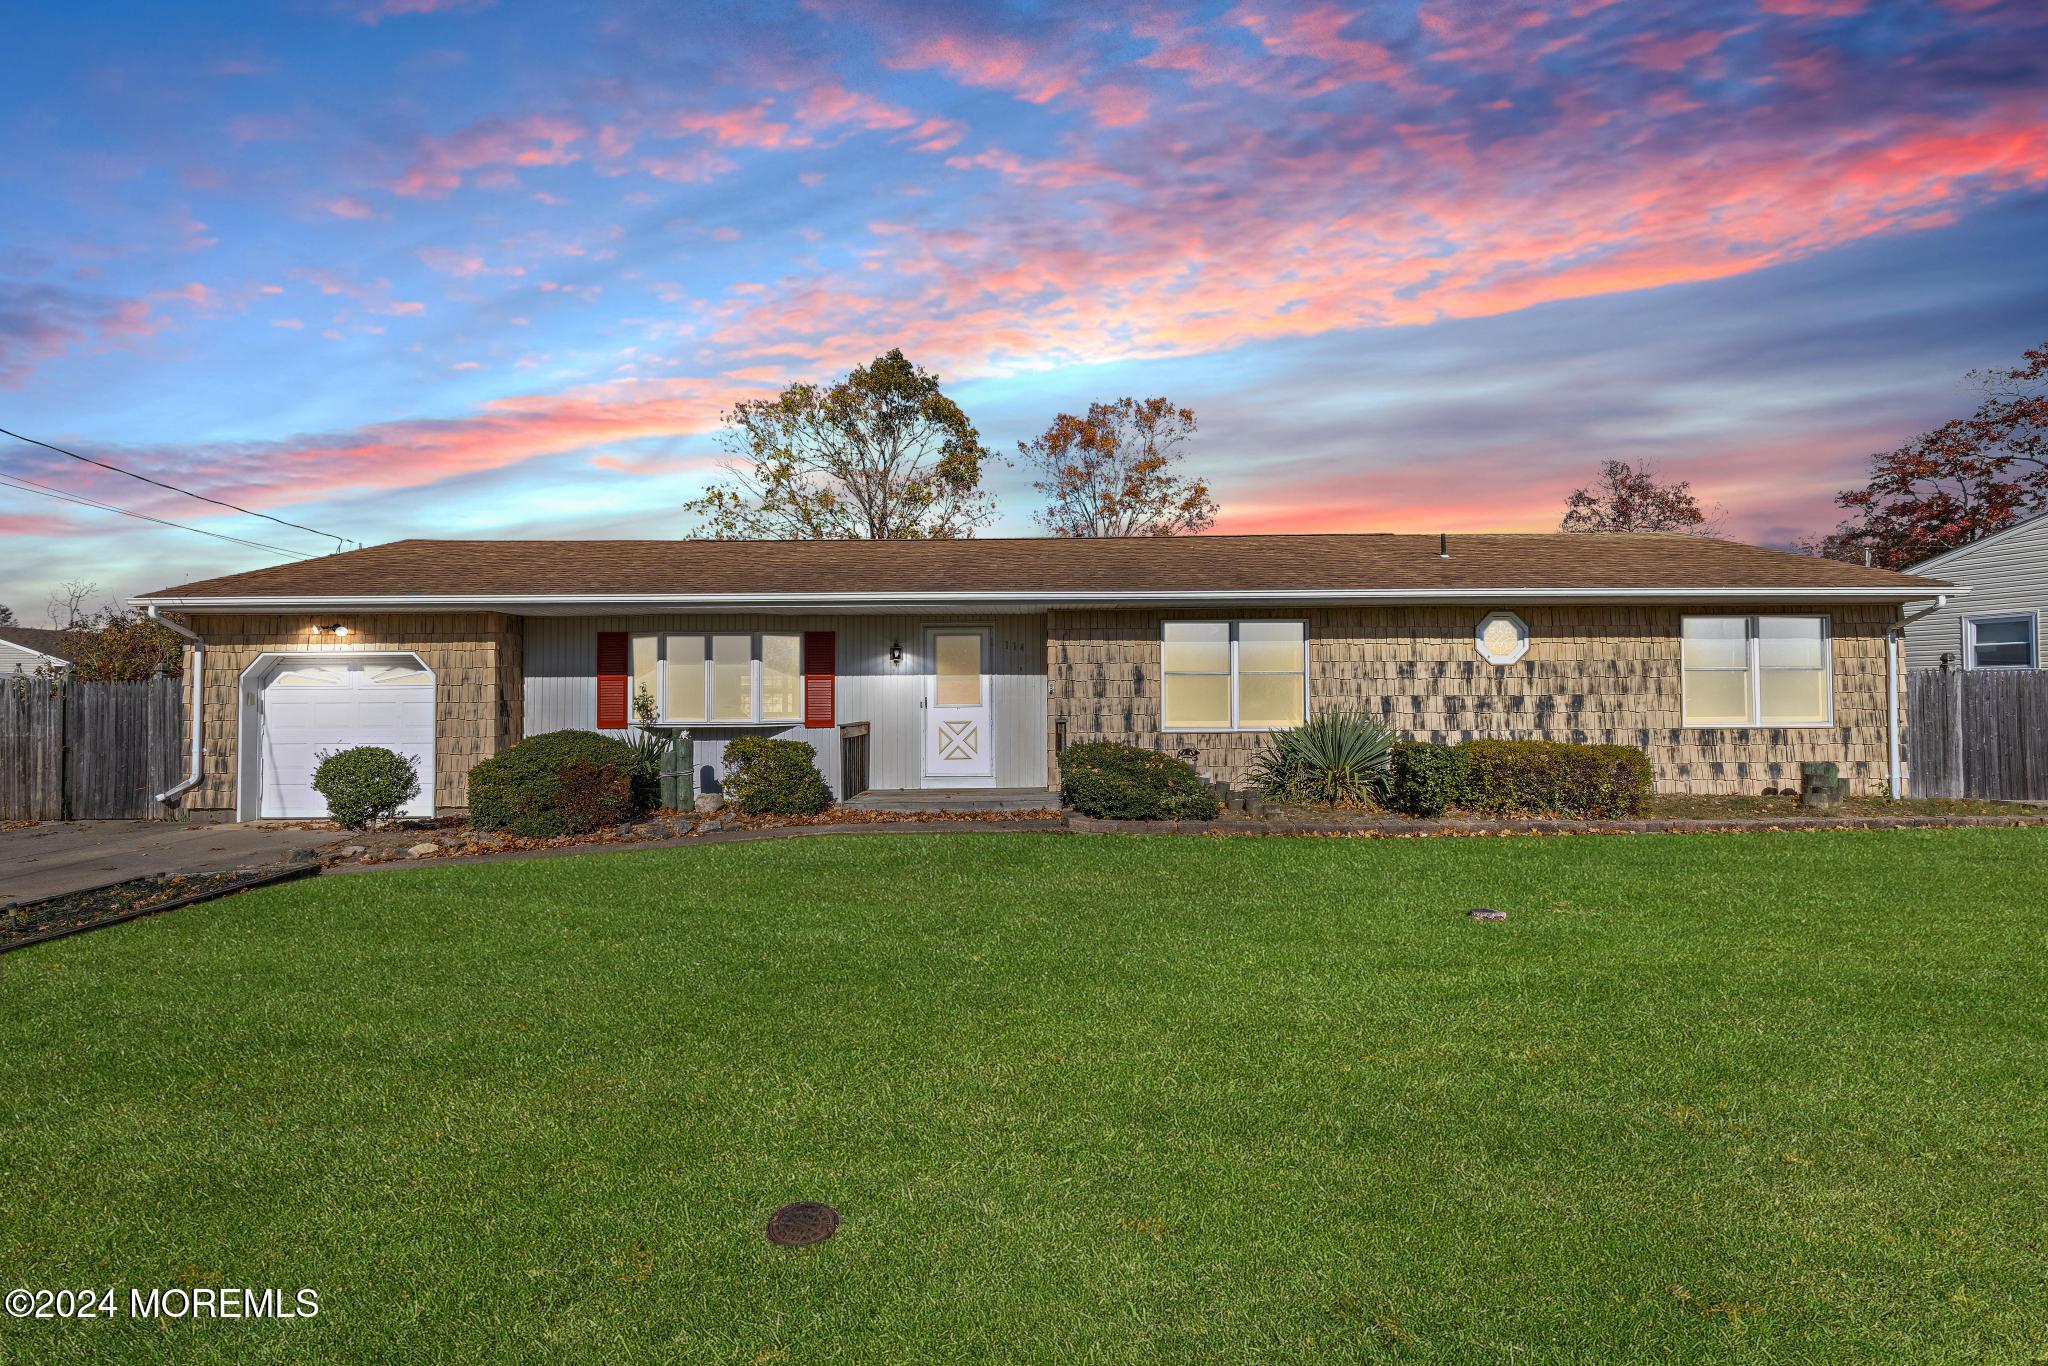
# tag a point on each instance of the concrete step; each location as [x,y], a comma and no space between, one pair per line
[957,799]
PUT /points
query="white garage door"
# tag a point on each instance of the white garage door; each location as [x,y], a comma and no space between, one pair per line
[312,706]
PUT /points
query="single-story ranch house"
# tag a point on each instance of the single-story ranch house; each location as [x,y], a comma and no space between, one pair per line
[972,662]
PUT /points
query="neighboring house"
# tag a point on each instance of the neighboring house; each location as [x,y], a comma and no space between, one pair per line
[1998,625]
[31,648]
[973,661]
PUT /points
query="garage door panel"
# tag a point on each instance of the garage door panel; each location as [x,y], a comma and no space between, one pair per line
[309,709]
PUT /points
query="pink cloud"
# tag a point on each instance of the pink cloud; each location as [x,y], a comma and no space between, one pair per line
[1316,35]
[462,265]
[415,453]
[1821,9]
[1449,229]
[379,10]
[348,206]
[746,126]
[499,144]
[994,62]
[829,102]
[1119,106]
[1676,54]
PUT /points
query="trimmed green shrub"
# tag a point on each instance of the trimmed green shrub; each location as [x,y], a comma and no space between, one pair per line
[566,782]
[1550,778]
[1333,757]
[366,785]
[1124,783]
[1426,779]
[765,777]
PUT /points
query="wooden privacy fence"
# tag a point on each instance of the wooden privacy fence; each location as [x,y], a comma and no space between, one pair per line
[89,751]
[1977,733]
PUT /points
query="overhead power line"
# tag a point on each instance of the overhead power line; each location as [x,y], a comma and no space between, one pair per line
[340,542]
[31,486]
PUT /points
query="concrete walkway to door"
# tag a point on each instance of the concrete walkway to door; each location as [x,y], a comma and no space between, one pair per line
[69,856]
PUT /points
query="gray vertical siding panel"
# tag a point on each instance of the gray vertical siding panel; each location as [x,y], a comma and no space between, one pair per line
[561,687]
[2007,576]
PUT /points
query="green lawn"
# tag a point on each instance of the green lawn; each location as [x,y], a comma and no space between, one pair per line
[1771,1097]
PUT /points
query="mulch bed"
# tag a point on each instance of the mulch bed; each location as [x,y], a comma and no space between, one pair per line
[1395,827]
[455,839]
[34,922]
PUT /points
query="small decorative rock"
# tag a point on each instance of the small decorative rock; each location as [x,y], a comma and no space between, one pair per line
[354,850]
[1485,913]
[423,849]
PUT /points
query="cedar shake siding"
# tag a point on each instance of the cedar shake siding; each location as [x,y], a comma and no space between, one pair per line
[478,692]
[1592,675]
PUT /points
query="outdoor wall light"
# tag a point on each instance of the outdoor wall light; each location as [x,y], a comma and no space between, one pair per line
[895,652]
[338,631]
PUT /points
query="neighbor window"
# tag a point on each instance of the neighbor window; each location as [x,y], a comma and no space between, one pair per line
[1999,642]
[736,678]
[1756,671]
[1233,675]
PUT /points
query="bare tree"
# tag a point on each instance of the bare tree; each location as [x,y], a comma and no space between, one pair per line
[68,601]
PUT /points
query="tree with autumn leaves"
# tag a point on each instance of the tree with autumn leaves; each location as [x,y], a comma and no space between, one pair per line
[1963,481]
[1628,498]
[1115,472]
[884,454]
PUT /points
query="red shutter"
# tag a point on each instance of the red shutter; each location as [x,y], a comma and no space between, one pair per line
[611,680]
[821,663]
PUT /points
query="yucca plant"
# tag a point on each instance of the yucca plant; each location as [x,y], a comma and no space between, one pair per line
[1334,756]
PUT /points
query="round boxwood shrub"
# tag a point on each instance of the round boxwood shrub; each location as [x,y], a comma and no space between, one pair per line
[366,785]
[765,777]
[1117,782]
[566,782]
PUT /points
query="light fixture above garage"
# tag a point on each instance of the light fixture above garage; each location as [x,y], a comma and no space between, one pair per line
[895,652]
[338,631]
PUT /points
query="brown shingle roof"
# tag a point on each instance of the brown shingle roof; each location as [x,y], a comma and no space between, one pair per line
[1250,564]
[40,639]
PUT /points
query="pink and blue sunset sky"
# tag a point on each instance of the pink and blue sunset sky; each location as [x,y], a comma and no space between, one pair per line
[449,267]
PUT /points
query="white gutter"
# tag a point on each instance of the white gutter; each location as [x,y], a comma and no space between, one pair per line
[1894,641]
[198,701]
[1094,597]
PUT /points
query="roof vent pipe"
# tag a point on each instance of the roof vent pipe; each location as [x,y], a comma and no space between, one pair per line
[1443,545]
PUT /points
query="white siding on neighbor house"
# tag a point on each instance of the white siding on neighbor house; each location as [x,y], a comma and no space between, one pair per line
[14,657]
[2007,575]
[561,688]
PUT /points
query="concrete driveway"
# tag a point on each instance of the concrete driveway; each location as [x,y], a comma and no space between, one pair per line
[68,856]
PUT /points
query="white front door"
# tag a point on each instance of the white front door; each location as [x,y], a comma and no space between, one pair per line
[959,748]
[311,705]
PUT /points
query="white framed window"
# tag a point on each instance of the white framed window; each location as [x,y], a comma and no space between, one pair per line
[1756,671]
[732,678]
[1233,675]
[2007,641]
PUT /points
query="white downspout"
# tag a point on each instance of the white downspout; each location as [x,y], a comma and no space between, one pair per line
[1894,641]
[198,701]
